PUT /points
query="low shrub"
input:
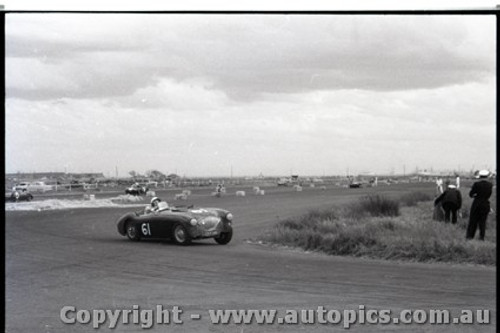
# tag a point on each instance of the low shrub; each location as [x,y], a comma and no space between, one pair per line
[376,227]
[310,220]
[413,198]
[377,205]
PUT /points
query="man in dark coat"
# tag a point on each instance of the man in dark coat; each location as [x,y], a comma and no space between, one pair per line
[451,201]
[481,192]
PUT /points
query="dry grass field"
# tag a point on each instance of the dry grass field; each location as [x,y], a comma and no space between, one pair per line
[375,226]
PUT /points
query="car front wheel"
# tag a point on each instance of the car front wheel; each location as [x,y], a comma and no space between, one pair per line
[224,237]
[132,232]
[180,235]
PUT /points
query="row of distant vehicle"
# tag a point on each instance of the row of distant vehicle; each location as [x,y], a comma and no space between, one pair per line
[33,187]
[295,180]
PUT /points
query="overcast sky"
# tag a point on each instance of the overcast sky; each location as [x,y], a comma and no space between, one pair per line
[201,95]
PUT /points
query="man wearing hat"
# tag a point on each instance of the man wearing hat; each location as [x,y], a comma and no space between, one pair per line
[451,201]
[156,205]
[481,192]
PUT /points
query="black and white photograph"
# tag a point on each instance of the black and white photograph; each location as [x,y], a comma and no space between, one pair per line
[250,170]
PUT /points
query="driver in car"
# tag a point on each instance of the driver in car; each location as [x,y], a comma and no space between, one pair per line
[156,205]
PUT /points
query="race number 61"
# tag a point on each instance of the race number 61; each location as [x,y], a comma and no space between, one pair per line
[146,231]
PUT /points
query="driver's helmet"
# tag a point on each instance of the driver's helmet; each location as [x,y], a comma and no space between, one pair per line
[155,201]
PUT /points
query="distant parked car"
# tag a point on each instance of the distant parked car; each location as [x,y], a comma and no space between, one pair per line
[283,182]
[39,187]
[33,187]
[21,186]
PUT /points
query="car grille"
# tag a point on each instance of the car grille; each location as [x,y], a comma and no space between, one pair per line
[209,222]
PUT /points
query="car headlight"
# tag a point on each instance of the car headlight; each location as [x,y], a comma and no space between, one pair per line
[193,222]
[229,217]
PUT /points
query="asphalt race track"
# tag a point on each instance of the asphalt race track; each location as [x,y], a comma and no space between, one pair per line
[76,258]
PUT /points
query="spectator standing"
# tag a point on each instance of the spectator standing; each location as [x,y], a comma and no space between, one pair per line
[439,186]
[480,208]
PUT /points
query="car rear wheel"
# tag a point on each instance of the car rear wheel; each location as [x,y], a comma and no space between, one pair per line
[224,237]
[132,232]
[180,235]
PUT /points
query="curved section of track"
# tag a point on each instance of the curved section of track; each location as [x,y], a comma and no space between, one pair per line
[76,257]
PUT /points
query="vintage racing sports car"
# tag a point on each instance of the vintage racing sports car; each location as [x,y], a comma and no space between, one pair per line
[136,190]
[180,224]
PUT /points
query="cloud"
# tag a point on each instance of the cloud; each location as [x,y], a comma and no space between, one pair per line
[180,96]
[243,56]
[206,134]
[197,94]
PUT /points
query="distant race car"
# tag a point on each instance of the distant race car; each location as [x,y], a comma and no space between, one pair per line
[136,190]
[355,185]
[19,196]
[180,224]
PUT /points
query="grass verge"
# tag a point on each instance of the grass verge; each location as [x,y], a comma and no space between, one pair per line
[379,227]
